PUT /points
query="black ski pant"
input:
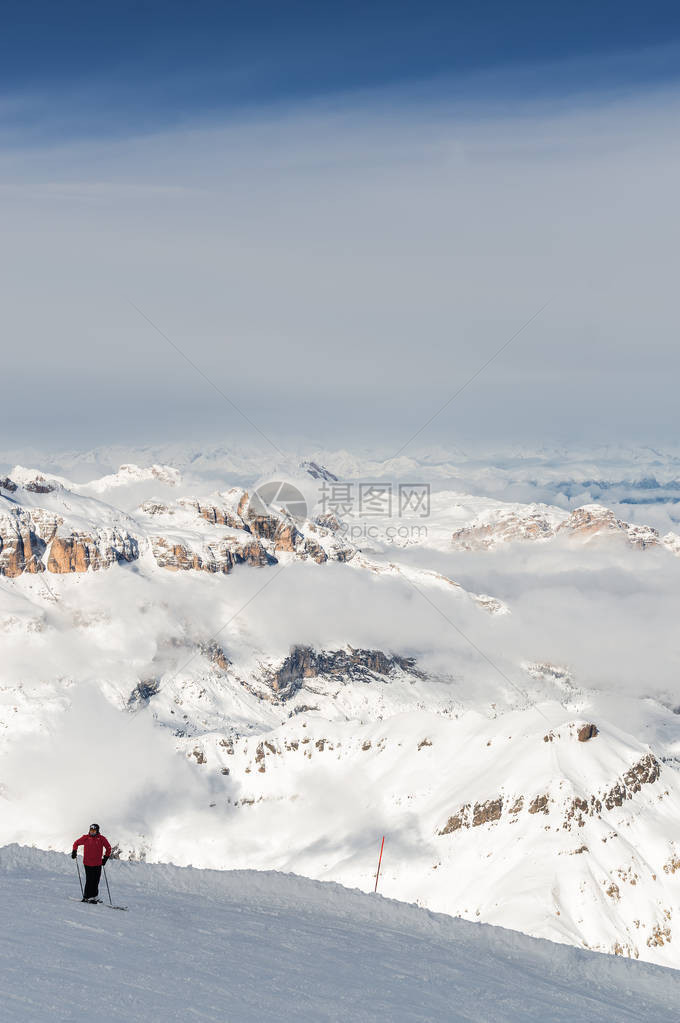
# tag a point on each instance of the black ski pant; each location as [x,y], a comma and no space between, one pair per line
[92,876]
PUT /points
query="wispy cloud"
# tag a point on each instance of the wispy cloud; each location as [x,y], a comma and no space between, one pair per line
[380,249]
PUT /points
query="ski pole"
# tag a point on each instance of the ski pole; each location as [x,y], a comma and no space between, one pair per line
[107,885]
[80,880]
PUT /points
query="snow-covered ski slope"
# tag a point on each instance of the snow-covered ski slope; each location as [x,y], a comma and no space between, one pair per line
[244,945]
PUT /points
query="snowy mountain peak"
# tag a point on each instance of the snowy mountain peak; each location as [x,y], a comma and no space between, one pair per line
[131,474]
[539,523]
[32,480]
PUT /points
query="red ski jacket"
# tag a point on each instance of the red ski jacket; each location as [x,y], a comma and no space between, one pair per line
[93,846]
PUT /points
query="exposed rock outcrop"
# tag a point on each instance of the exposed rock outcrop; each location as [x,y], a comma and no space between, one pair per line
[276,533]
[306,663]
[156,508]
[645,772]
[40,485]
[215,653]
[575,811]
[29,537]
[539,805]
[143,692]
[315,551]
[505,527]
[485,813]
[540,523]
[319,472]
[329,521]
[594,520]
[217,515]
[288,538]
[456,822]
[24,535]
[474,816]
[79,552]
[220,556]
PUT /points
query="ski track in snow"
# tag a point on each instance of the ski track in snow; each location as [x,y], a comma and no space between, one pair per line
[236,946]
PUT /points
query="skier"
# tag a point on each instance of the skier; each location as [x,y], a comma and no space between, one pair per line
[93,845]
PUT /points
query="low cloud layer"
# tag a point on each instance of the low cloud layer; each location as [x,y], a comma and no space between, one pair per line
[94,763]
[78,744]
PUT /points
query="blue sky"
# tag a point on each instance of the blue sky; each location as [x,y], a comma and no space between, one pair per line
[73,69]
[340,212]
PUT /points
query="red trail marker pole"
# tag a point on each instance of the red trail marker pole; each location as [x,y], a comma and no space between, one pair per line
[382,846]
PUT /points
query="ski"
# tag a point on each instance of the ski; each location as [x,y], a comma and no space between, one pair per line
[97,902]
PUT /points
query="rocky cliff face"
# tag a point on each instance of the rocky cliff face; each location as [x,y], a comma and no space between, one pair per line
[220,556]
[32,539]
[304,663]
[40,485]
[316,540]
[24,536]
[593,520]
[568,811]
[79,552]
[504,528]
[584,523]
[223,514]
[272,535]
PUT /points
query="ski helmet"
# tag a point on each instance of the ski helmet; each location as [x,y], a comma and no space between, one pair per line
[94,827]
